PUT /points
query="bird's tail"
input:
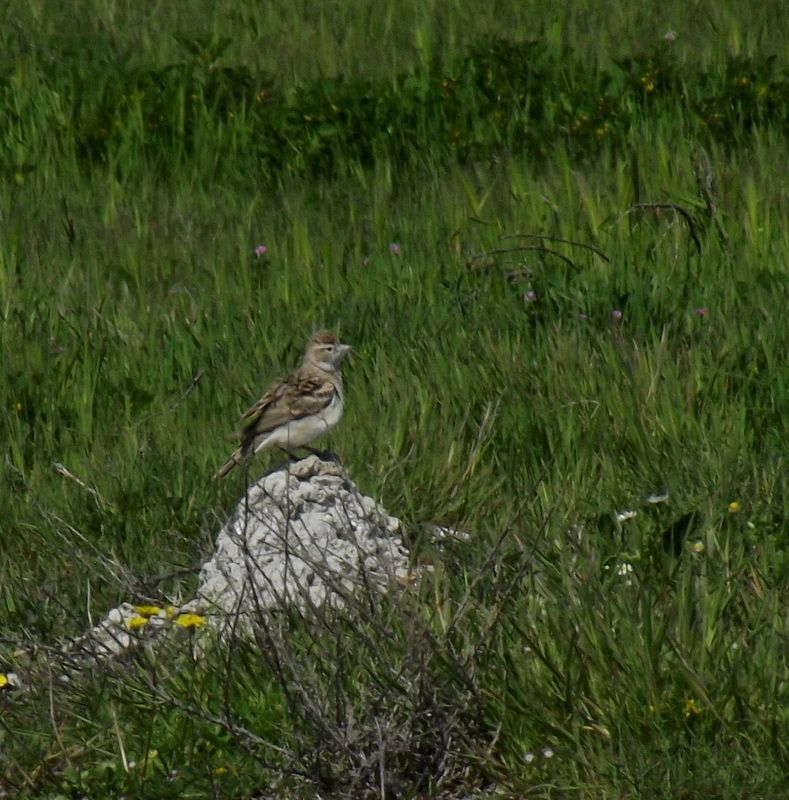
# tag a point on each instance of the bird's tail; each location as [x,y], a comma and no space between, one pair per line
[236,458]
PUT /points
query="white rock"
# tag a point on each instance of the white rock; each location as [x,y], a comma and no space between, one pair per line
[303,534]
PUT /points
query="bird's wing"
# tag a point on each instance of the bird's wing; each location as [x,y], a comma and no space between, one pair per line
[295,396]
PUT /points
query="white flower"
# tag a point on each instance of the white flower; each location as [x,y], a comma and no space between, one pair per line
[656,499]
[625,571]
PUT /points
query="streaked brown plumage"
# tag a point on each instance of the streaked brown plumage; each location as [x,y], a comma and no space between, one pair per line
[299,407]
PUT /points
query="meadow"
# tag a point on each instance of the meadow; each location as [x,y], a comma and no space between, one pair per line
[555,234]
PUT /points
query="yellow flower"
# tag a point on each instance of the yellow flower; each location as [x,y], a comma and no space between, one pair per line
[190,621]
[698,548]
[136,622]
[690,708]
[220,770]
[3,681]
[147,611]
[734,507]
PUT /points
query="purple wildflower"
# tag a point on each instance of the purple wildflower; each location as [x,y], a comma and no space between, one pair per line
[260,250]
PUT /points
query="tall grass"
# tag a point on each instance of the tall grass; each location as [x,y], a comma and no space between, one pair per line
[561,333]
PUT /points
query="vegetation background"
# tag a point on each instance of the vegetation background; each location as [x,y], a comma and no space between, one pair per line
[556,235]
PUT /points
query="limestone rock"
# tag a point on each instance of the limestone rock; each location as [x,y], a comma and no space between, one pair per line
[303,534]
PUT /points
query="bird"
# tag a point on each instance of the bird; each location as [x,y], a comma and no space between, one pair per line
[298,407]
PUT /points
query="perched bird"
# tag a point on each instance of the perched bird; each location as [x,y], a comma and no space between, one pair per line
[299,407]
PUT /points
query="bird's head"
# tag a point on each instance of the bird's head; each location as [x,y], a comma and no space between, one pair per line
[326,350]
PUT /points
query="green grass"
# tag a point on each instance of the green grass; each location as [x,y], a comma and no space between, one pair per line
[646,654]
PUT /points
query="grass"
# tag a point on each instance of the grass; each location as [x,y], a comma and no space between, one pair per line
[568,647]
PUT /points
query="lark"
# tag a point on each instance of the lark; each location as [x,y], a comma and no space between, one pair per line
[299,407]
